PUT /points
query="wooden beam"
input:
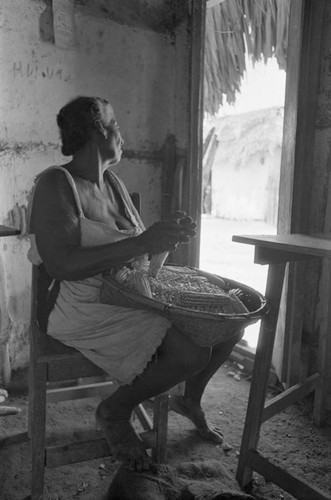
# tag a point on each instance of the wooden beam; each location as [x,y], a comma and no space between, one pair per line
[71,371]
[324,348]
[8,231]
[160,424]
[290,396]
[297,487]
[80,392]
[76,452]
[193,180]
[266,255]
[143,418]
[297,199]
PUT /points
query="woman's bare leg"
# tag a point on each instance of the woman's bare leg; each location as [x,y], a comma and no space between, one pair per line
[189,404]
[177,359]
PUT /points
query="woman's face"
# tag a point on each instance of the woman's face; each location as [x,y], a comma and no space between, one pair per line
[113,138]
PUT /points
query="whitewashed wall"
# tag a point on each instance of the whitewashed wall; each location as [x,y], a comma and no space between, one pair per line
[246,168]
[142,71]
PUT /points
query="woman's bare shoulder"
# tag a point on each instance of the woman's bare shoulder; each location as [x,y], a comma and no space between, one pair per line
[53,183]
[52,176]
[54,194]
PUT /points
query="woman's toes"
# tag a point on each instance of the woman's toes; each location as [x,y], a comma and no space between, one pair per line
[197,416]
[211,433]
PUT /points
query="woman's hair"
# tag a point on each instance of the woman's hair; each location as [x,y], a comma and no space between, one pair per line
[76,120]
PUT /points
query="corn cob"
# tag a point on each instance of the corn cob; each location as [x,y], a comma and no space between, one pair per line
[238,306]
[139,281]
[122,275]
[156,264]
[206,301]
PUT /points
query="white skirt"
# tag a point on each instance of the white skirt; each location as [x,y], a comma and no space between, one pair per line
[119,340]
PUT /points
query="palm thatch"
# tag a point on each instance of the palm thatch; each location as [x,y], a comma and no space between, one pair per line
[236,29]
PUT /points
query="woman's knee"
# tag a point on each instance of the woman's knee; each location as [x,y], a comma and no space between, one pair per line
[229,344]
[192,357]
[199,358]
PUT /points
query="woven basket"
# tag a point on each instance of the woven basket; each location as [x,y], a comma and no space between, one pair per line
[204,328]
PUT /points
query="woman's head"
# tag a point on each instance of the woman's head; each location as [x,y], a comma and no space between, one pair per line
[81,118]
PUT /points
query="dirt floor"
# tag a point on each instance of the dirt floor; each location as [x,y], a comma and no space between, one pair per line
[289,439]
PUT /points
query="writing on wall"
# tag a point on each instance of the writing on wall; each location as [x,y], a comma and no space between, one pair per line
[21,69]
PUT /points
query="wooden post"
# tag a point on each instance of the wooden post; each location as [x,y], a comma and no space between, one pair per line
[324,347]
[194,174]
[297,171]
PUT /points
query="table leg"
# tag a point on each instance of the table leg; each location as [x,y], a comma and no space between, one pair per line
[261,371]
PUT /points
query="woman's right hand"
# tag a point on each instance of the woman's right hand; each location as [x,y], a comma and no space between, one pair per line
[166,235]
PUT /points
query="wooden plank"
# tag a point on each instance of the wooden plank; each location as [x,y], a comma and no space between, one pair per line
[76,452]
[160,425]
[323,323]
[294,369]
[294,485]
[302,78]
[290,174]
[260,372]
[49,349]
[37,423]
[308,89]
[313,246]
[193,181]
[290,396]
[264,255]
[80,392]
[69,369]
[290,116]
[8,231]
[279,355]
[143,417]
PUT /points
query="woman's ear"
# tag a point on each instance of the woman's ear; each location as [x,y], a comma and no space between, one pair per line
[99,126]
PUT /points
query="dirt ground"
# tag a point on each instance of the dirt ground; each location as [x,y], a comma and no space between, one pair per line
[289,439]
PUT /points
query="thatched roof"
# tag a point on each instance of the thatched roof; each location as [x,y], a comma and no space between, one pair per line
[236,29]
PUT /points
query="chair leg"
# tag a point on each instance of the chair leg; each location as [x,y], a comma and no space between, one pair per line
[160,426]
[30,408]
[37,423]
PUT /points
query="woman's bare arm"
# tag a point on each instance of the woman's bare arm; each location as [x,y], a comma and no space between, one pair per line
[55,223]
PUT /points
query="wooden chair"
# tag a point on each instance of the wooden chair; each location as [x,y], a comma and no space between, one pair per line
[53,362]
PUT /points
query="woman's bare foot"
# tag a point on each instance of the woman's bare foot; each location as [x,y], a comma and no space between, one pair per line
[124,442]
[196,414]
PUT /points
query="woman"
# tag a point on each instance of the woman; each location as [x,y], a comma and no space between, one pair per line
[83,223]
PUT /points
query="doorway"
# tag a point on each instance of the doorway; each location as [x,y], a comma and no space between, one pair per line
[241,173]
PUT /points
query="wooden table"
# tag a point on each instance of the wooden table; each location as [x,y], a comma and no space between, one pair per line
[276,251]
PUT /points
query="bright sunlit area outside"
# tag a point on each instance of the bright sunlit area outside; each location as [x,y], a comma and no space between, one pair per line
[241,169]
